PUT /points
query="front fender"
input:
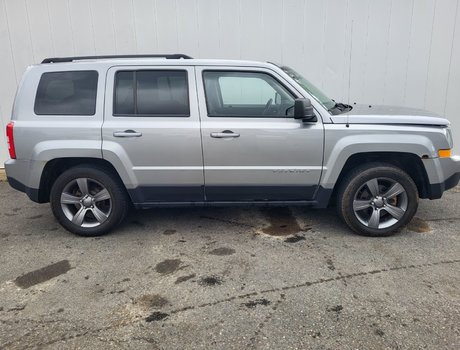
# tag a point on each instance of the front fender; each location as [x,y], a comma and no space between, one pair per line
[340,151]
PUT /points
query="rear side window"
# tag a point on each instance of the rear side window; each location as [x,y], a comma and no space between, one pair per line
[67,93]
[151,93]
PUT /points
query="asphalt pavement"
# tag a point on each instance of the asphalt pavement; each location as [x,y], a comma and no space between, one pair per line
[229,278]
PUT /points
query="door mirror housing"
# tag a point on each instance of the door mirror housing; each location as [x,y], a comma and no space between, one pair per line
[304,110]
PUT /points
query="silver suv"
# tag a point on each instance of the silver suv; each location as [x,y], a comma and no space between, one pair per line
[93,135]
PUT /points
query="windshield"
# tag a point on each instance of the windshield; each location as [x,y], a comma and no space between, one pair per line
[310,88]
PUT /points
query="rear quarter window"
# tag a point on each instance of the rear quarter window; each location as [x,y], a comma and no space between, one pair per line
[67,93]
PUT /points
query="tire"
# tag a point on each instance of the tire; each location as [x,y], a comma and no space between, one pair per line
[88,201]
[366,204]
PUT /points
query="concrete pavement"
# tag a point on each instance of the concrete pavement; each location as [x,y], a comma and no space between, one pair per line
[229,278]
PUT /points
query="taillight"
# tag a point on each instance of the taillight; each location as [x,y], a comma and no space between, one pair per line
[10,140]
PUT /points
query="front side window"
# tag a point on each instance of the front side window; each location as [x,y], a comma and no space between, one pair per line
[151,93]
[67,93]
[246,94]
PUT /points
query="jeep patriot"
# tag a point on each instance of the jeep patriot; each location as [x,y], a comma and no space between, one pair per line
[94,135]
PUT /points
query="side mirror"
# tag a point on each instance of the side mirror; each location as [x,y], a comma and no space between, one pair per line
[304,110]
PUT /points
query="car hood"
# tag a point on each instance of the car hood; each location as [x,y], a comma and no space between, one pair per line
[364,114]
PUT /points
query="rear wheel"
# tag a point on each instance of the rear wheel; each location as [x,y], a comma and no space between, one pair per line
[88,201]
[377,199]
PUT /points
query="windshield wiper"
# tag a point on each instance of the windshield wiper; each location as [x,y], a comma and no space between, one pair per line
[342,107]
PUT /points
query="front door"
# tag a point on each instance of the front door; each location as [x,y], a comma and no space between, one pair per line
[253,148]
[151,131]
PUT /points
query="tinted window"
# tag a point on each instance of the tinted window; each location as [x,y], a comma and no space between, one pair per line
[67,93]
[151,93]
[246,94]
[124,93]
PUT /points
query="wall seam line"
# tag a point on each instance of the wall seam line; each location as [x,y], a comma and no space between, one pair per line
[11,44]
[92,27]
[71,27]
[450,58]
[386,53]
[53,45]
[30,32]
[408,52]
[429,57]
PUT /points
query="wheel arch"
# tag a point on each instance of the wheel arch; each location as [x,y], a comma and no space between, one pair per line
[57,166]
[409,162]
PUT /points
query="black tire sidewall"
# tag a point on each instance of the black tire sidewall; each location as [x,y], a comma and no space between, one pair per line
[119,203]
[360,176]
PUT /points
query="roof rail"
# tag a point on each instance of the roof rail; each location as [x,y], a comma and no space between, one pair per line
[174,56]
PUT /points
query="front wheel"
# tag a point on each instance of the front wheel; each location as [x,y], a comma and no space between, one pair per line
[377,199]
[88,201]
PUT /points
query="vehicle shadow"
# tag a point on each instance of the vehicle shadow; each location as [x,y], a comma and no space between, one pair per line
[273,221]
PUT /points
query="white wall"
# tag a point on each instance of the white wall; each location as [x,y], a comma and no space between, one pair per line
[404,52]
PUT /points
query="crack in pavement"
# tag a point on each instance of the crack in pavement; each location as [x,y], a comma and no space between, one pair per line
[247,295]
[81,331]
[311,283]
[267,319]
[233,222]
[442,219]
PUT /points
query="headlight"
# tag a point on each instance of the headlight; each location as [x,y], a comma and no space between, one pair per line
[449,137]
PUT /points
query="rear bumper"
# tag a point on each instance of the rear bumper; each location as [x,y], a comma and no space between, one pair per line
[22,177]
[32,193]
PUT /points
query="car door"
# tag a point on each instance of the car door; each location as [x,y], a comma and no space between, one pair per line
[151,131]
[253,148]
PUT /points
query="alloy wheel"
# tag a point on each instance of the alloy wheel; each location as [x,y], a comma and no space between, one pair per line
[380,203]
[86,202]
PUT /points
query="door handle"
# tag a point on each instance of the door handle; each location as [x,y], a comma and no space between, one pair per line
[224,134]
[127,133]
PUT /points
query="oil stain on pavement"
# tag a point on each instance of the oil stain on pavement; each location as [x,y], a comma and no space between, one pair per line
[156,316]
[282,222]
[418,225]
[253,303]
[294,239]
[184,278]
[222,251]
[43,274]
[151,301]
[337,309]
[209,281]
[168,266]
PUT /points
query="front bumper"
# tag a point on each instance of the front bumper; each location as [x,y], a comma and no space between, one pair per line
[436,190]
[443,174]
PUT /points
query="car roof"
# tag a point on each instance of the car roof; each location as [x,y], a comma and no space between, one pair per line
[169,60]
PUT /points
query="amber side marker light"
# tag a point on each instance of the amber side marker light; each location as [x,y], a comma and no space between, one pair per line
[444,153]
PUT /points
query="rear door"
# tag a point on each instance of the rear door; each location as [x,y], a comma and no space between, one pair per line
[253,149]
[151,130]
